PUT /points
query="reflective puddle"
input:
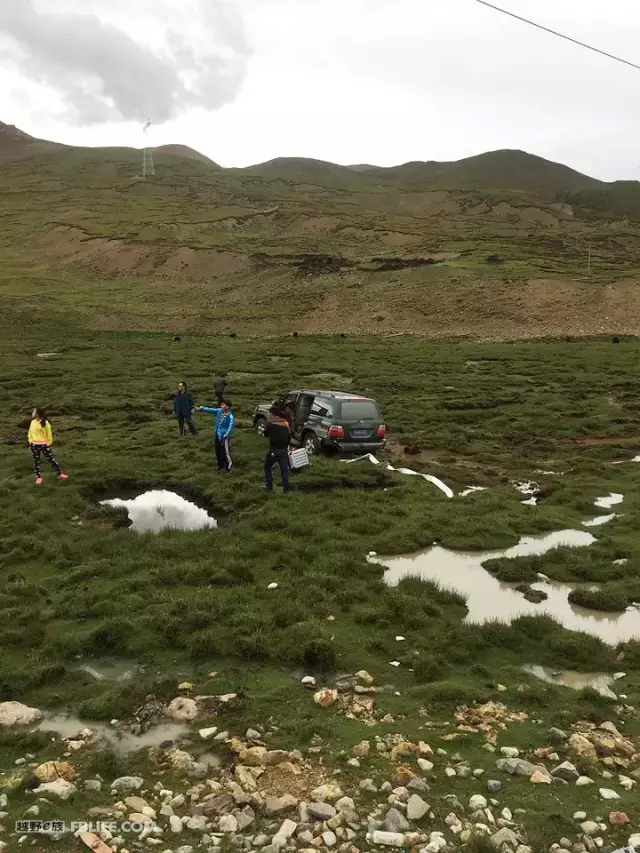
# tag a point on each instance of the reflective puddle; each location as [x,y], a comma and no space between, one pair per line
[160,510]
[109,670]
[489,599]
[609,500]
[123,742]
[599,520]
[577,680]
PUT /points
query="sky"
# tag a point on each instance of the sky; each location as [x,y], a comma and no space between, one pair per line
[349,81]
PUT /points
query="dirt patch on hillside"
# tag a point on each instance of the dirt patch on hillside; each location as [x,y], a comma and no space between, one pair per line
[113,256]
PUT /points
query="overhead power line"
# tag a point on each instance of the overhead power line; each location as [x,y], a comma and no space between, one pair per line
[560,35]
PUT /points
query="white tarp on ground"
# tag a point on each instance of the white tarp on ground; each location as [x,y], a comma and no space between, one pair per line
[436,482]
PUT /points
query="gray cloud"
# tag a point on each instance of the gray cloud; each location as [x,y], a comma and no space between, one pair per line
[103,74]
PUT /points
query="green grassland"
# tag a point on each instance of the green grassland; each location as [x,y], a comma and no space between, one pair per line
[98,269]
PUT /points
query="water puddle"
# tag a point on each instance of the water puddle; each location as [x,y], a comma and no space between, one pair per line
[109,670]
[122,742]
[599,520]
[599,681]
[407,471]
[489,599]
[609,500]
[159,510]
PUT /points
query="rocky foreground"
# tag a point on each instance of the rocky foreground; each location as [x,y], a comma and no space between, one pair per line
[386,791]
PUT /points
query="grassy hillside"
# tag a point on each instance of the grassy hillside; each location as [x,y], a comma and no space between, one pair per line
[495,245]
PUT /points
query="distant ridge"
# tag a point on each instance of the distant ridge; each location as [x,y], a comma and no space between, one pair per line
[506,169]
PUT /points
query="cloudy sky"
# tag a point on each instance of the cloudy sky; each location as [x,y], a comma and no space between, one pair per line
[351,81]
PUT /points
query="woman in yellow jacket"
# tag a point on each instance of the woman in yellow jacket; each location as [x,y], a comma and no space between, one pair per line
[40,441]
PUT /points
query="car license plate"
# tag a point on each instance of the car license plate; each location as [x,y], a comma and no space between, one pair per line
[360,433]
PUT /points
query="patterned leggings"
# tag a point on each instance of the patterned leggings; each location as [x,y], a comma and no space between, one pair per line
[36,451]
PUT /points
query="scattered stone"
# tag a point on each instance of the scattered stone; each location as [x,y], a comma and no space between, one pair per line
[634,840]
[329,838]
[580,816]
[540,778]
[59,788]
[228,823]
[325,697]
[135,804]
[510,751]
[557,734]
[477,802]
[417,786]
[590,827]
[618,818]
[52,770]
[16,714]
[608,794]
[493,786]
[424,765]
[395,821]
[175,824]
[361,750]
[566,771]
[198,823]
[245,818]
[93,785]
[416,807]
[277,805]
[182,709]
[321,810]
[127,783]
[346,804]
[208,733]
[582,747]
[505,836]
[327,793]
[516,767]
[582,781]
[308,681]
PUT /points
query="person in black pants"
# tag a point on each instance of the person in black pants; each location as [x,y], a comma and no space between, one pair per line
[277,431]
[183,408]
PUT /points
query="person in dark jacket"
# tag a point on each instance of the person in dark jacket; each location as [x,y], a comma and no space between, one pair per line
[183,409]
[277,431]
[220,386]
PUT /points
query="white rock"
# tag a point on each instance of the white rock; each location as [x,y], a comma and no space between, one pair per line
[584,780]
[60,788]
[477,802]
[449,772]
[182,709]
[400,639]
[205,734]
[309,681]
[510,751]
[608,794]
[198,823]
[228,823]
[634,840]
[425,765]
[416,807]
[17,714]
[394,663]
[175,824]
[580,816]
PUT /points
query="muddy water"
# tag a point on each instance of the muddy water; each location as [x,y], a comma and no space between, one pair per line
[122,742]
[577,680]
[160,510]
[488,599]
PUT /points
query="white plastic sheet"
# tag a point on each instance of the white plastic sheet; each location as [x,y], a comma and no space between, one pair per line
[407,471]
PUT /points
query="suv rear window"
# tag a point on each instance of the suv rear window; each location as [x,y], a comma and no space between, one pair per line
[357,410]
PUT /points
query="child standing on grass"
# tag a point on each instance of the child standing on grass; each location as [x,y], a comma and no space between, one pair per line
[40,441]
[222,429]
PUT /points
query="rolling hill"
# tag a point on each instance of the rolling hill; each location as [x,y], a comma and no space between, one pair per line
[494,245]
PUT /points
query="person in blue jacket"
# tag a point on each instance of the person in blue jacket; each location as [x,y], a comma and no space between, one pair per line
[183,408]
[222,429]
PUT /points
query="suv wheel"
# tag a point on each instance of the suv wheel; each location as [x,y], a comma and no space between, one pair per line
[310,443]
[261,425]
